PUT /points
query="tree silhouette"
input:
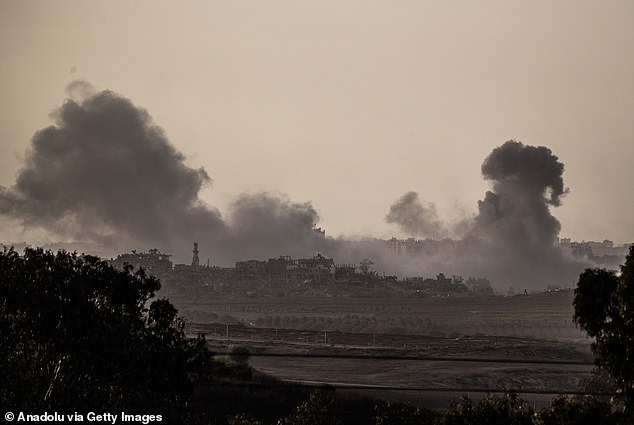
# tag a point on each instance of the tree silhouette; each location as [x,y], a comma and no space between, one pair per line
[604,308]
[78,334]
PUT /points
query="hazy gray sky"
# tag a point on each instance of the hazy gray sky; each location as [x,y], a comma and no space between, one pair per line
[347,104]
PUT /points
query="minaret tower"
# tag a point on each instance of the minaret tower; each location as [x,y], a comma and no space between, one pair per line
[195,259]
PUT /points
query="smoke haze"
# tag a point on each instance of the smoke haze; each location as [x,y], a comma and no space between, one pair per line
[105,172]
[513,238]
[414,219]
[262,225]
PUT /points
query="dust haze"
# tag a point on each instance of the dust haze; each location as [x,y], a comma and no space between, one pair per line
[106,173]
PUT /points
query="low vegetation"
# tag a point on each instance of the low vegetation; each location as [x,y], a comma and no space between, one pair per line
[544,316]
[77,334]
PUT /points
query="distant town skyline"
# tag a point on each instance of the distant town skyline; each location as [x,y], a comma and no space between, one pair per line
[346,105]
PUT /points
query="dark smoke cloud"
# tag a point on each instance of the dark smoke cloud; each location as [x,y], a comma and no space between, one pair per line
[526,181]
[414,219]
[513,238]
[514,224]
[105,172]
[263,223]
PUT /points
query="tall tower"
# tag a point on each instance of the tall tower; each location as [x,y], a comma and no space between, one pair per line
[195,259]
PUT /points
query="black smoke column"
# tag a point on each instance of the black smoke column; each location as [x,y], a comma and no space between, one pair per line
[514,227]
[527,180]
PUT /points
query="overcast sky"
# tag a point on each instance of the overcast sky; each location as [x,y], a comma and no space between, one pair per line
[347,104]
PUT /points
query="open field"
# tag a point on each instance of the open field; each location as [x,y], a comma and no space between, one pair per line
[427,370]
[546,316]
[443,345]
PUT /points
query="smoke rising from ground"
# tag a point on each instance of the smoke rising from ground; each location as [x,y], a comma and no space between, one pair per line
[513,238]
[263,225]
[415,219]
[514,223]
[105,172]
[526,181]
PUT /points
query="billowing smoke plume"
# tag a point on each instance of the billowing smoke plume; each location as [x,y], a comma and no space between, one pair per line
[414,219]
[513,238]
[514,224]
[105,172]
[526,181]
[263,224]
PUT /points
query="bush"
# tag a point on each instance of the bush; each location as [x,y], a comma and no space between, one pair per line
[578,411]
[401,414]
[508,409]
[319,409]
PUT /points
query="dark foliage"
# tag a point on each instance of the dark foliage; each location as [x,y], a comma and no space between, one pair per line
[401,414]
[578,411]
[604,308]
[509,409]
[231,397]
[319,409]
[78,335]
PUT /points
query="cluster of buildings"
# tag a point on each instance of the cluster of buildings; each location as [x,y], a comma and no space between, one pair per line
[603,254]
[322,270]
[454,284]
[154,262]
[318,269]
[182,279]
[606,253]
[427,247]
